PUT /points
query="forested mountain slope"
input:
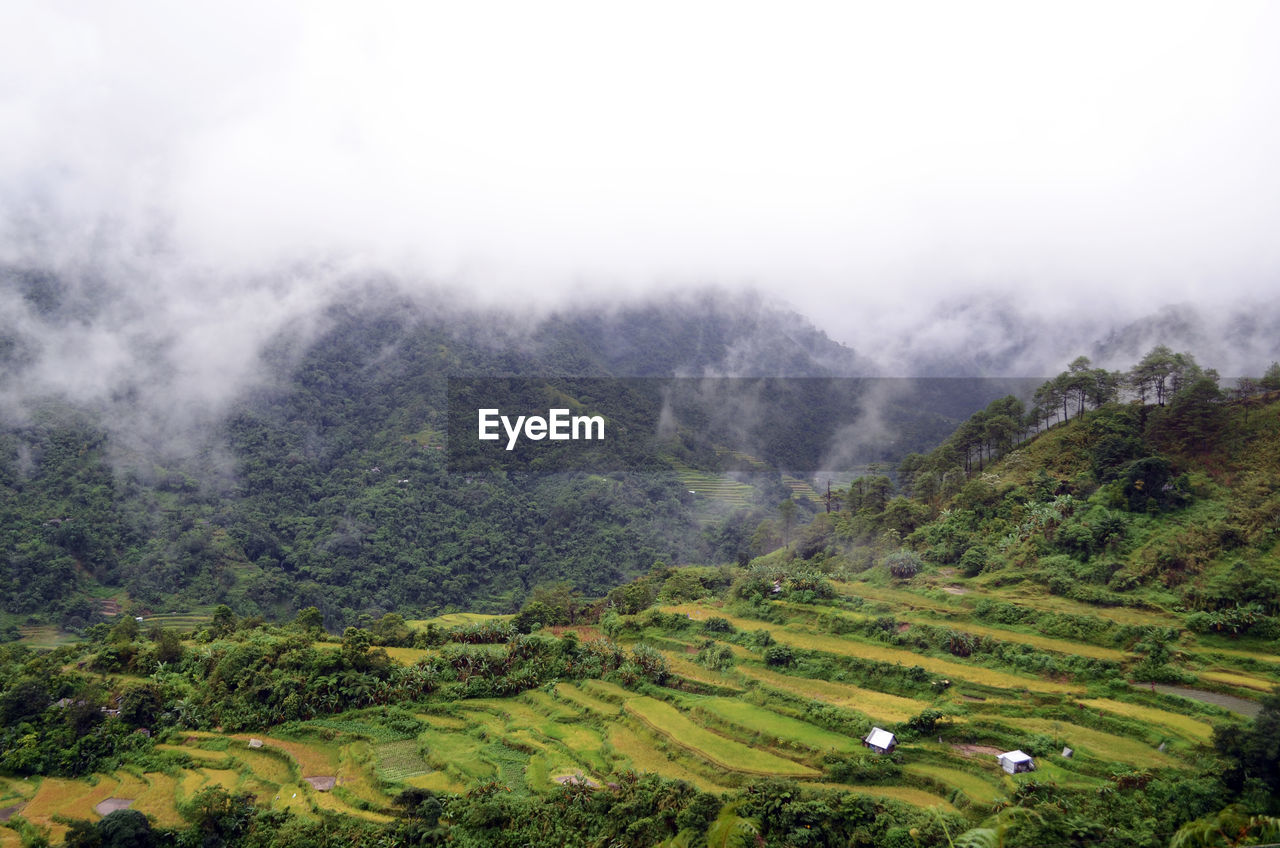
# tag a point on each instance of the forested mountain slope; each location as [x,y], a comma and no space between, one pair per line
[324,482]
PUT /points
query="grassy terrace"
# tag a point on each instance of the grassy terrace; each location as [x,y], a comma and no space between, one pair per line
[877,705]
[667,721]
[846,646]
[963,625]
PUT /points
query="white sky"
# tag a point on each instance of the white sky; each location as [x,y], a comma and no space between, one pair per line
[855,159]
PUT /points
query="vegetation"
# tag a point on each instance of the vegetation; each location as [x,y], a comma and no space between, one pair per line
[1098,574]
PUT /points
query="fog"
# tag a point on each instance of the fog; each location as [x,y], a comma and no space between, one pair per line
[918,179]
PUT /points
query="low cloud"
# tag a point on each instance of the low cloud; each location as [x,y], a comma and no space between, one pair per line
[982,189]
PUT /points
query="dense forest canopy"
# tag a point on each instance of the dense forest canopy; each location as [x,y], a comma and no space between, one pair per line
[327,484]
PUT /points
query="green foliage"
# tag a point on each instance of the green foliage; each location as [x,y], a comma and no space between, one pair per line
[125,829]
[778,656]
[903,564]
[715,656]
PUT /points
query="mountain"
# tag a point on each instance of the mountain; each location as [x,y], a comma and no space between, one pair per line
[323,480]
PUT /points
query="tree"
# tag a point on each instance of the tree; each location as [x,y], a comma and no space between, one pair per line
[1254,754]
[126,829]
[224,620]
[141,704]
[218,816]
[1162,373]
[1194,414]
[310,620]
[787,509]
[1271,379]
[355,647]
[392,630]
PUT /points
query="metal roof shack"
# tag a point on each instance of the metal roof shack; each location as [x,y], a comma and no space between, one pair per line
[1015,762]
[880,740]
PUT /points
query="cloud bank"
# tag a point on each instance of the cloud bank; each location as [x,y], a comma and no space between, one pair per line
[210,174]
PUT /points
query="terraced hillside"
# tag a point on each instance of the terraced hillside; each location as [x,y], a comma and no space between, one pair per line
[784,689]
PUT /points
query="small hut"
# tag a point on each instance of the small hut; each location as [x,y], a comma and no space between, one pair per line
[1015,762]
[880,740]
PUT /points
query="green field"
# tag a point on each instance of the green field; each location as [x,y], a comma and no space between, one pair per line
[769,724]
[668,722]
[812,641]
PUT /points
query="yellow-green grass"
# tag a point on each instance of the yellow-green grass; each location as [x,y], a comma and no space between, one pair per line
[10,838]
[681,666]
[45,636]
[976,591]
[523,739]
[606,690]
[1049,772]
[199,754]
[131,785]
[675,726]
[880,705]
[1097,743]
[312,758]
[1194,729]
[575,737]
[491,722]
[104,787]
[458,752]
[580,743]
[575,695]
[159,799]
[1044,643]
[261,790]
[457,619]
[355,774]
[227,779]
[955,671]
[1244,681]
[536,773]
[906,794]
[1262,655]
[444,722]
[514,711]
[552,764]
[1042,600]
[547,705]
[809,640]
[15,790]
[331,803]
[264,766]
[436,781]
[292,797]
[977,789]
[54,795]
[193,780]
[409,656]
[641,756]
[773,725]
[897,597]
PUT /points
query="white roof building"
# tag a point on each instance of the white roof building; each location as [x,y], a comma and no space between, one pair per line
[1016,761]
[880,740]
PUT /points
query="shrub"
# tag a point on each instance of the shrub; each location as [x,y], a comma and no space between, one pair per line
[903,564]
[779,655]
[973,561]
